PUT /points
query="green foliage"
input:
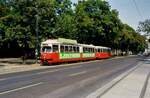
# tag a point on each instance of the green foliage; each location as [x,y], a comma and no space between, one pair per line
[97,23]
[131,40]
[19,23]
[65,26]
[88,21]
[144,26]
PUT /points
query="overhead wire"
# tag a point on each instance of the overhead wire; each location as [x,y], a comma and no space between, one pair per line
[137,8]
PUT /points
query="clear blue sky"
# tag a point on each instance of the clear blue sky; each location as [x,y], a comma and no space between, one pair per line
[128,12]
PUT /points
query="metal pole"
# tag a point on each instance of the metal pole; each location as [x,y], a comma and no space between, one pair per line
[37,37]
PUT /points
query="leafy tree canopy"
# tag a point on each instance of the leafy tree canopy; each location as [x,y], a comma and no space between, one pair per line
[144,26]
[88,21]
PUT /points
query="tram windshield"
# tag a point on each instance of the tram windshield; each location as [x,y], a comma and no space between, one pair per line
[46,49]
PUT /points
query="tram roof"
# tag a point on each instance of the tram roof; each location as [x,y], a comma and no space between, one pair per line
[102,47]
[60,41]
[86,45]
[50,41]
[69,41]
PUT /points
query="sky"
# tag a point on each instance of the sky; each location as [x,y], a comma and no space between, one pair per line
[131,12]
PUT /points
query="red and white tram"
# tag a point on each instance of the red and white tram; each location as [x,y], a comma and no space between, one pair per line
[66,50]
[102,52]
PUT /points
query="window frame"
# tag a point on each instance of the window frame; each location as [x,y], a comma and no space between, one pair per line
[57,49]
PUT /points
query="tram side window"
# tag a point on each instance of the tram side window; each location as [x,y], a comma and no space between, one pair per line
[66,49]
[109,50]
[46,49]
[70,49]
[99,50]
[96,50]
[93,50]
[90,50]
[74,49]
[105,50]
[62,49]
[86,50]
[55,48]
[77,49]
[83,49]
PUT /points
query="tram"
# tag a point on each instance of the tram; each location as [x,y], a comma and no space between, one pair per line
[102,52]
[67,50]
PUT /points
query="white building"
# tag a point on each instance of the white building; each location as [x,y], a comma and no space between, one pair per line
[147,50]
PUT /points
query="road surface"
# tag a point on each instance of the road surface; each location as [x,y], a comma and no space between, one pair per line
[75,81]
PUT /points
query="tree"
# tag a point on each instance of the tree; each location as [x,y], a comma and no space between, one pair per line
[97,23]
[144,26]
[18,22]
[130,40]
[88,21]
[65,26]
[84,23]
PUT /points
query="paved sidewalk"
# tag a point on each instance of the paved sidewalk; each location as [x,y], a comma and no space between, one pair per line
[131,84]
[16,61]
[12,65]
[12,68]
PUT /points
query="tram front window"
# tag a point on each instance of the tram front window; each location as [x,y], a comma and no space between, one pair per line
[46,49]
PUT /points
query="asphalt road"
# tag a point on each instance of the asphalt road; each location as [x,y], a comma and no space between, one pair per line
[75,81]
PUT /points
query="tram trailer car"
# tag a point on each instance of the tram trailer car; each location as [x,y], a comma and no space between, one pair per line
[102,52]
[87,52]
[66,50]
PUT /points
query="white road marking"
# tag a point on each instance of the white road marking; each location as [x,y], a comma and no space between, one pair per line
[76,74]
[28,75]
[13,77]
[44,72]
[3,79]
[70,67]
[76,67]
[21,88]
